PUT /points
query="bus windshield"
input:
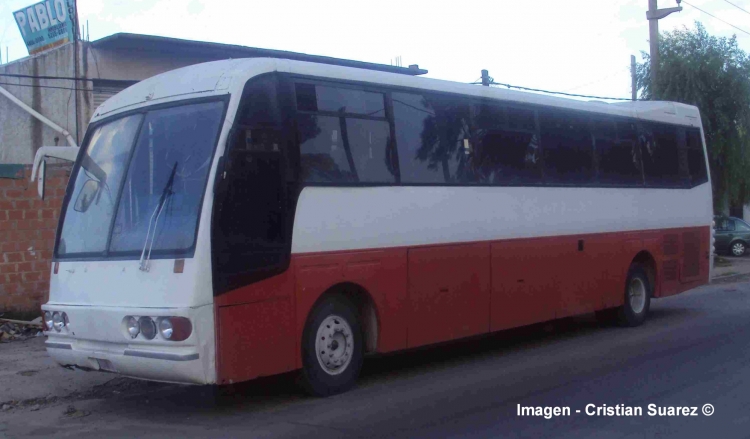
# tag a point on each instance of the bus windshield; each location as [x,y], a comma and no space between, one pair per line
[124,172]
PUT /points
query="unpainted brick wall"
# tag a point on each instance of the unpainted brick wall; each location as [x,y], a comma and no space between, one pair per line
[27,236]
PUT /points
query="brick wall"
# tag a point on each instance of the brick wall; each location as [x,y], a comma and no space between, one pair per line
[27,235]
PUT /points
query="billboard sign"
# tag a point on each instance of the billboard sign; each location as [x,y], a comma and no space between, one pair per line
[47,24]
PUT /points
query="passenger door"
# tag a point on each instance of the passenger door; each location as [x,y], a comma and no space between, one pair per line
[251,225]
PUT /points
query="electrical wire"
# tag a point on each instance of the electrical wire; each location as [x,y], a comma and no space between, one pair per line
[67,78]
[619,71]
[45,86]
[556,92]
[712,15]
[743,10]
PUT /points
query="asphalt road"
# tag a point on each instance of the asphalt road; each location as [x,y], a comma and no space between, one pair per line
[693,350]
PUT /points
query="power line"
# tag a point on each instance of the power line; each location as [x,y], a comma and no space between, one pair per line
[555,92]
[45,86]
[67,78]
[596,81]
[712,15]
[743,10]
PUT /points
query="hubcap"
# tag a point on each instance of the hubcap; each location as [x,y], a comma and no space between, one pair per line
[334,345]
[637,295]
[738,249]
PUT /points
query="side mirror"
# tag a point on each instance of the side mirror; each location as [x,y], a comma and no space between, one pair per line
[86,196]
[40,179]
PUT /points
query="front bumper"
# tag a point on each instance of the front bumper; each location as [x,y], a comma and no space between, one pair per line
[96,339]
[180,365]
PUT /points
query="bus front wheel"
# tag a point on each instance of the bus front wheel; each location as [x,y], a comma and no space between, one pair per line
[637,298]
[332,347]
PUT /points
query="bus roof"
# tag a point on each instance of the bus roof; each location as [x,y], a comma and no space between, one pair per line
[229,77]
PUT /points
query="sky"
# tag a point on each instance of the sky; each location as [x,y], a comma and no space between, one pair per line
[575,46]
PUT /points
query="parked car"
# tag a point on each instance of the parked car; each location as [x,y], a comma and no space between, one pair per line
[732,235]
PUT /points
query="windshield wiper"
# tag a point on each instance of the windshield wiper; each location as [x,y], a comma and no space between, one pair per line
[159,207]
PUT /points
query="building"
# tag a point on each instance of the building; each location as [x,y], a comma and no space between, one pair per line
[66,85]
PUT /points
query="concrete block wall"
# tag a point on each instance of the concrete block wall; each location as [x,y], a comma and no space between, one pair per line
[27,236]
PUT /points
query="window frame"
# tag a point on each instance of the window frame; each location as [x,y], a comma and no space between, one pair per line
[327,82]
[388,89]
[164,254]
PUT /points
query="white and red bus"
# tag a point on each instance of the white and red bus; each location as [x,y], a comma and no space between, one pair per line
[244,218]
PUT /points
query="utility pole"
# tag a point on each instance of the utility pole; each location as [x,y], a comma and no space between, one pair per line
[633,88]
[654,15]
[485,78]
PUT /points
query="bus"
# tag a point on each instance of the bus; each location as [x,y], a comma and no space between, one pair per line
[250,217]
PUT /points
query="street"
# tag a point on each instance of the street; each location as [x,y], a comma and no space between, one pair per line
[692,351]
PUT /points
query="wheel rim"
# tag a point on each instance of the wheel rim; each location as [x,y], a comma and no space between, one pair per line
[334,345]
[738,249]
[637,295]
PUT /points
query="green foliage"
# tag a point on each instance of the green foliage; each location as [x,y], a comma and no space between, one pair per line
[714,75]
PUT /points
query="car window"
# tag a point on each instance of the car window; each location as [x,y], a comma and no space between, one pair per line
[742,226]
[729,226]
[721,224]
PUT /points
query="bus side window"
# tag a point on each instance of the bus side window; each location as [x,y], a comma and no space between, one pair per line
[696,160]
[436,139]
[660,154]
[617,153]
[508,145]
[567,147]
[343,135]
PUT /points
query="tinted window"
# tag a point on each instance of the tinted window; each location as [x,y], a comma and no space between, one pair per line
[312,97]
[410,112]
[696,159]
[323,156]
[617,152]
[338,150]
[443,125]
[659,153]
[741,226]
[508,148]
[567,147]
[368,141]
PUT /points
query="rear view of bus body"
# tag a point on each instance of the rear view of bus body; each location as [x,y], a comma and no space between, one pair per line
[245,218]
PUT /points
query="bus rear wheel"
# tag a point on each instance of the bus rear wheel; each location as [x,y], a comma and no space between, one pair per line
[638,294]
[332,347]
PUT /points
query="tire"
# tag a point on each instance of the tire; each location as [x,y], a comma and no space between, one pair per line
[737,248]
[638,294]
[332,348]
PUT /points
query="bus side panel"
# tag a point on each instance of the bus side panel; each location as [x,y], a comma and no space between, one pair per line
[694,260]
[606,260]
[381,273]
[255,329]
[522,292]
[449,292]
[255,339]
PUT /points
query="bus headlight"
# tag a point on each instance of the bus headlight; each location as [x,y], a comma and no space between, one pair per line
[57,321]
[166,328]
[132,326]
[175,328]
[148,328]
[48,320]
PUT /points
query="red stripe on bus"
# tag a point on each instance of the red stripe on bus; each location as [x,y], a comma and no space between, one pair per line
[435,293]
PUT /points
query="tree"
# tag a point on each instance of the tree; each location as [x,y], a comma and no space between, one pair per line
[714,75]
